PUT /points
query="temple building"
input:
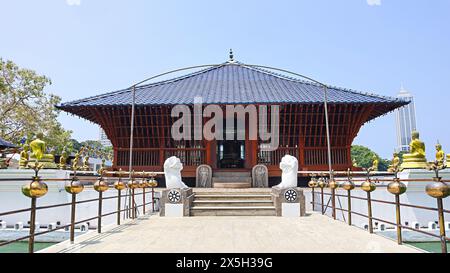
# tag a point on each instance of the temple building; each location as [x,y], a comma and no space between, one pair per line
[302,130]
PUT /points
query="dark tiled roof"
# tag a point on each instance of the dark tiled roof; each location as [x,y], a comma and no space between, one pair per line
[6,144]
[231,83]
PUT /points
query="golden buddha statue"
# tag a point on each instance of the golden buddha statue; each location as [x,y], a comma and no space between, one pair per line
[75,161]
[440,155]
[85,166]
[395,163]
[416,159]
[355,163]
[375,164]
[63,160]
[24,157]
[38,149]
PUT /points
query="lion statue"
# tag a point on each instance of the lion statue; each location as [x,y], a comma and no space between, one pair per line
[289,169]
[172,173]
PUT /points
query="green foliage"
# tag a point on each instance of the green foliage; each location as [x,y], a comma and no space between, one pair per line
[364,158]
[95,147]
[26,109]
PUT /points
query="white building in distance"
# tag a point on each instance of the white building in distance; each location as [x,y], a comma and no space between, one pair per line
[405,121]
[104,139]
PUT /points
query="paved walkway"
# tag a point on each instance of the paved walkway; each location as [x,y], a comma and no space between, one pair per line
[314,233]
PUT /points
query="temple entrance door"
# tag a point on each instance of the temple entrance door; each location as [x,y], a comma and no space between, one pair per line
[231,154]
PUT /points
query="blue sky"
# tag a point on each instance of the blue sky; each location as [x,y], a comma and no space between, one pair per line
[88,47]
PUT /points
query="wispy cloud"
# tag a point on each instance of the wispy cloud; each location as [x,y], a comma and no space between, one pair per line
[374,2]
[73,2]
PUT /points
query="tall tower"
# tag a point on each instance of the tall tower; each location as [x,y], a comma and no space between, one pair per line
[406,121]
[104,139]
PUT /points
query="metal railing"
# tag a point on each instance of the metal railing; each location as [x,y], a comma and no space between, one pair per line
[74,186]
[438,189]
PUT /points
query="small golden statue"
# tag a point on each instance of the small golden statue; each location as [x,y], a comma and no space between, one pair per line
[77,159]
[86,162]
[24,157]
[355,163]
[448,161]
[375,164]
[395,163]
[63,160]
[103,166]
[38,149]
[440,155]
[416,159]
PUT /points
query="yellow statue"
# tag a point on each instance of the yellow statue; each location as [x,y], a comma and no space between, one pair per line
[395,163]
[24,157]
[63,160]
[375,164]
[355,164]
[38,149]
[416,159]
[440,155]
[86,162]
[76,160]
[448,161]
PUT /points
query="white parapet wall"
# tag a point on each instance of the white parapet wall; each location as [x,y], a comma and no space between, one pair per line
[11,198]
[415,195]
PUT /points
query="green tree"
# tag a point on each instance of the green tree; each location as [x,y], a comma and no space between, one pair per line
[364,158]
[26,109]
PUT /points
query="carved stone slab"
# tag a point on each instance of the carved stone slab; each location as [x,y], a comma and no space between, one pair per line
[176,202]
[260,176]
[291,200]
[203,176]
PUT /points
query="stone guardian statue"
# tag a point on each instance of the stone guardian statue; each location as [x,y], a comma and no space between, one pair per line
[289,168]
[172,173]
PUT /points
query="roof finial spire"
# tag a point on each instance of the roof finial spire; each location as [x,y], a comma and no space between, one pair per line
[231,55]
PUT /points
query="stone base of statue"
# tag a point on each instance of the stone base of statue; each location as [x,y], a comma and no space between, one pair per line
[414,163]
[176,202]
[47,164]
[289,202]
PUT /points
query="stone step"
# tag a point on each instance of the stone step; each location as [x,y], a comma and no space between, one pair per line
[230,196]
[229,179]
[231,174]
[233,211]
[233,203]
[232,185]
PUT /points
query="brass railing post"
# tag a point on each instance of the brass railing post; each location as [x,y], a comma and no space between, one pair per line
[100,186]
[132,184]
[153,199]
[440,190]
[34,190]
[333,186]
[72,218]
[119,186]
[313,184]
[133,208]
[73,187]
[152,183]
[442,225]
[32,225]
[142,185]
[368,186]
[322,185]
[397,188]
[349,186]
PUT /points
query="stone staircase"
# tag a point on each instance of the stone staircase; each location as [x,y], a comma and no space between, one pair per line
[232,180]
[233,202]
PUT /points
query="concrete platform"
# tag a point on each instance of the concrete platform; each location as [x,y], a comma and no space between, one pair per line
[314,233]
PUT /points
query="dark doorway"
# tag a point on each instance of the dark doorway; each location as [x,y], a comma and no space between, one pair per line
[231,154]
